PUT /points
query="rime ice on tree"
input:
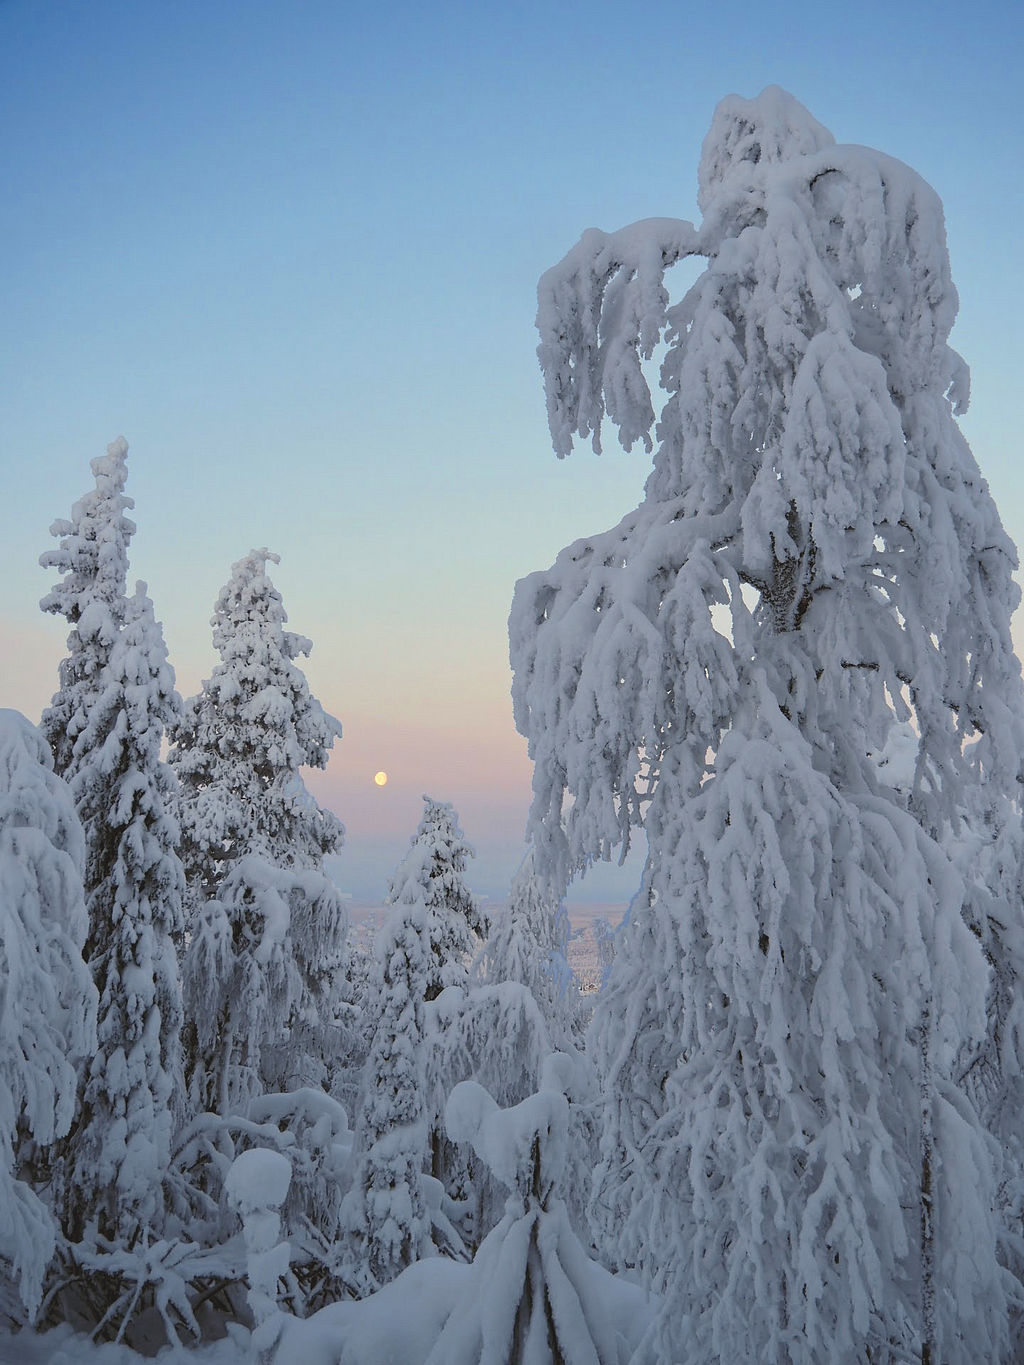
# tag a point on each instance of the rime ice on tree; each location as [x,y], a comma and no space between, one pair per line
[528,943]
[47,1000]
[268,928]
[780,1032]
[118,1156]
[93,557]
[385,1210]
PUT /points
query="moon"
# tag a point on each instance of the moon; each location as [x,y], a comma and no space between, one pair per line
[380,779]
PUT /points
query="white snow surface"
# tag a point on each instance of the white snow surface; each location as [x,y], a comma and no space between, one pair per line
[258,1179]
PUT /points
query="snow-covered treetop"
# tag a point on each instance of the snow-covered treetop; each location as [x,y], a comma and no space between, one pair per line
[93,549]
[244,738]
[772,128]
[807,458]
[432,874]
[93,557]
[248,632]
[528,943]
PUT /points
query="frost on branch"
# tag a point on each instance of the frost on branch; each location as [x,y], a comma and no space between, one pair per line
[47,1000]
[816,562]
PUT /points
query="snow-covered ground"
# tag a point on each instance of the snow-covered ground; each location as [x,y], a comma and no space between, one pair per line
[398,1326]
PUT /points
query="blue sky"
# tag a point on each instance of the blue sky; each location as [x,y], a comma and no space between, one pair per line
[291,252]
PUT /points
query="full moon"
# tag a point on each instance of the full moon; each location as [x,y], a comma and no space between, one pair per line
[380,778]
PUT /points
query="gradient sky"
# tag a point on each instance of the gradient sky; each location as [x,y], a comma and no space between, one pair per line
[290,251]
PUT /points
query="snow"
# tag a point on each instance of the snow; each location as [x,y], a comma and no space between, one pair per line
[257,1179]
[47,999]
[253,844]
[796,987]
[62,1346]
[791,1131]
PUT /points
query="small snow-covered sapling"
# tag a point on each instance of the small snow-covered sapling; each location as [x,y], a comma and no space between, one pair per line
[256,1186]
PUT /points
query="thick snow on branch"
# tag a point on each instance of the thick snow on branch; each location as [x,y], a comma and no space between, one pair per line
[267,926]
[816,562]
[93,557]
[600,312]
[119,1154]
[47,999]
[809,457]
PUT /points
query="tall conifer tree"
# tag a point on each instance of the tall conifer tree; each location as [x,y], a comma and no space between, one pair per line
[105,727]
[267,924]
[117,1158]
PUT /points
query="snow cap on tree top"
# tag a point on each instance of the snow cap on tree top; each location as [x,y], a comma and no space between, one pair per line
[112,465]
[258,1179]
[772,127]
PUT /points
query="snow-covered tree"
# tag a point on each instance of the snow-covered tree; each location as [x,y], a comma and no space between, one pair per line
[267,924]
[47,999]
[117,1158]
[93,557]
[534,1297]
[433,872]
[436,865]
[385,1211]
[785,1151]
[504,1048]
[528,943]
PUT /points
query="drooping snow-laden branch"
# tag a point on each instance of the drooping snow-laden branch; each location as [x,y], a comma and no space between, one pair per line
[809,384]
[600,312]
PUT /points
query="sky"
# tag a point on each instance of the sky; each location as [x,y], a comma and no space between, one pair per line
[290,252]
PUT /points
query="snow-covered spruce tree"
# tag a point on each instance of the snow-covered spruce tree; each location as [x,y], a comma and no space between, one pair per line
[267,924]
[93,557]
[434,871]
[385,1212]
[437,865]
[116,1160]
[785,1152]
[47,999]
[527,943]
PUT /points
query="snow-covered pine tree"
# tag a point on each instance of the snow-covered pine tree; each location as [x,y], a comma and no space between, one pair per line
[267,924]
[116,1161]
[437,864]
[93,557]
[433,871]
[785,1153]
[385,1211]
[527,943]
[47,999]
